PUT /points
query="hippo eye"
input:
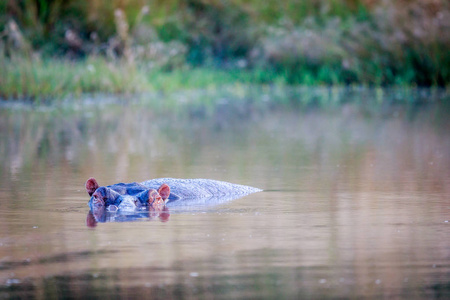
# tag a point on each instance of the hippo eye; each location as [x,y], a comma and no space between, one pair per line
[98,199]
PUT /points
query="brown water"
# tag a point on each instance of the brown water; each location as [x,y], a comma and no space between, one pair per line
[356,201]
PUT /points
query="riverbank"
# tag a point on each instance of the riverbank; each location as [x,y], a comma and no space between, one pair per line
[53,79]
[138,46]
[43,79]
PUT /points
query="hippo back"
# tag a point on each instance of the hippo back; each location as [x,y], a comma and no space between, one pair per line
[200,191]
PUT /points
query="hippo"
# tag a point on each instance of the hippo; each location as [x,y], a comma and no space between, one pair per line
[130,201]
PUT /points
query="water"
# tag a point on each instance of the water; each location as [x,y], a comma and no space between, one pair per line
[356,201]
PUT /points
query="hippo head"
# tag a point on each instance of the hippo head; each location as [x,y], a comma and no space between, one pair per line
[125,196]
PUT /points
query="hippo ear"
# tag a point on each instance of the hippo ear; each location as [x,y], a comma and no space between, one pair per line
[164,191]
[91,185]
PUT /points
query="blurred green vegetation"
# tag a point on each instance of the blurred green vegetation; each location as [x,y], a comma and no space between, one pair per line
[49,47]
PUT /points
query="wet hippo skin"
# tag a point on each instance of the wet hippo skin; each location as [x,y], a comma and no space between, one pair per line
[163,191]
[150,199]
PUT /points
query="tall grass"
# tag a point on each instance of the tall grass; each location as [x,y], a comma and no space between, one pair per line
[403,42]
[57,47]
[46,79]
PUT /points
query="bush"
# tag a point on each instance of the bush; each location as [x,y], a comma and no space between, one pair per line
[375,42]
[404,43]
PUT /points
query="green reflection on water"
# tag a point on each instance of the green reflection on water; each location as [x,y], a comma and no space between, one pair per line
[358,186]
[217,280]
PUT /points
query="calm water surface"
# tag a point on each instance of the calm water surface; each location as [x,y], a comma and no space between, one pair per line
[356,200]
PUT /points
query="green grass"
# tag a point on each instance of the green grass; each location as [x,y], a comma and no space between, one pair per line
[46,79]
[52,78]
[42,79]
[138,45]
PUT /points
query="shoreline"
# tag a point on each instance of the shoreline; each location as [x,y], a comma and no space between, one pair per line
[53,79]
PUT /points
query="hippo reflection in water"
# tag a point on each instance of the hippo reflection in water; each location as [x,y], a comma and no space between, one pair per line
[151,199]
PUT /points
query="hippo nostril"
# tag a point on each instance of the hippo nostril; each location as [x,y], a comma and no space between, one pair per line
[128,203]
